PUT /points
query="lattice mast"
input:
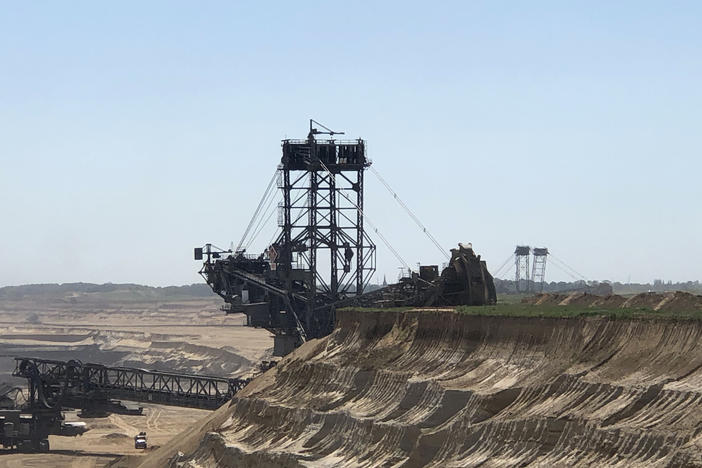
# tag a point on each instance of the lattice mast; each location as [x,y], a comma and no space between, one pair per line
[538,274]
[521,263]
[322,210]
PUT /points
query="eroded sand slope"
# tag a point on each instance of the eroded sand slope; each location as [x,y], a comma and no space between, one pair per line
[443,389]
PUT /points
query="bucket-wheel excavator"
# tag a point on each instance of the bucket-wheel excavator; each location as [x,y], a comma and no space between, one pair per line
[323,257]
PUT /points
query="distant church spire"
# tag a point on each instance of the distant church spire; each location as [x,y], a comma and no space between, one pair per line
[385,283]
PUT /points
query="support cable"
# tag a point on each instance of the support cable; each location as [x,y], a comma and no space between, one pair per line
[499,271]
[276,232]
[565,265]
[258,209]
[411,214]
[506,263]
[372,225]
[260,224]
[263,212]
[263,216]
[562,269]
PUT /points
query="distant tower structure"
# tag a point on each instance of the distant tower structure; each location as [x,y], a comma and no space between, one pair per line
[538,274]
[521,263]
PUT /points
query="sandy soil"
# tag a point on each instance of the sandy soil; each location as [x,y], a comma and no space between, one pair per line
[184,335]
[109,438]
[436,388]
[674,301]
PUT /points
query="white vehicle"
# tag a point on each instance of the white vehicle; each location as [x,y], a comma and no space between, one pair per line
[140,440]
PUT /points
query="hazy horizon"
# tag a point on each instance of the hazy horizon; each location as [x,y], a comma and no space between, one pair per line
[132,132]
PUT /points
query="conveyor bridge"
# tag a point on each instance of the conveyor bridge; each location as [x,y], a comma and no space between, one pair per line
[72,384]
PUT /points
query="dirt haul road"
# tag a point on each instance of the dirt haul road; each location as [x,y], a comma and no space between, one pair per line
[443,389]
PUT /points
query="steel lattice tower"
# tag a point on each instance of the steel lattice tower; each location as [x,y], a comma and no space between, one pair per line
[322,210]
[538,274]
[521,263]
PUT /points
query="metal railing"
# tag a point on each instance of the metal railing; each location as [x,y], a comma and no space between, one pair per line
[325,141]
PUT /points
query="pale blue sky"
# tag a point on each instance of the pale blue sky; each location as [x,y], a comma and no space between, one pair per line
[131,132]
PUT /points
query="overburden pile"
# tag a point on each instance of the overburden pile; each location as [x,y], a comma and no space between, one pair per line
[439,388]
[674,301]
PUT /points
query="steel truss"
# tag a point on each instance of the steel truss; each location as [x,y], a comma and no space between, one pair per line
[538,273]
[315,217]
[74,384]
[521,264]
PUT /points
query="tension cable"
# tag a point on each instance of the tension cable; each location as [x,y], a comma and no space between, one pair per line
[365,216]
[411,214]
[264,198]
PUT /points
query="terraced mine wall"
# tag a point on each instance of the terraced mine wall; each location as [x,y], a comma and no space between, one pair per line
[438,388]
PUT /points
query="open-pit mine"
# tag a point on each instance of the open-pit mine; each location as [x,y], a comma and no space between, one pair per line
[288,357]
[443,388]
